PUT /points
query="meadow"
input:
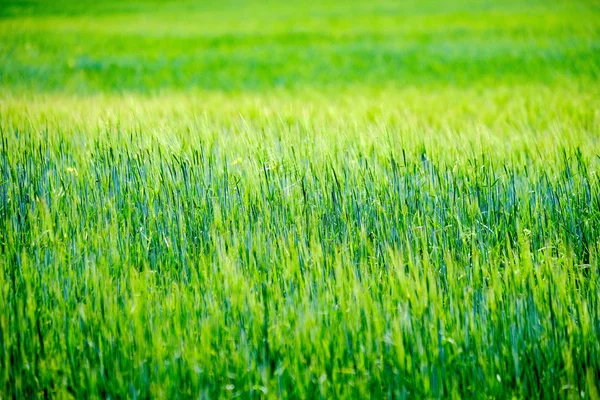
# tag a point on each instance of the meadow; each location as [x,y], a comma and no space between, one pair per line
[294,200]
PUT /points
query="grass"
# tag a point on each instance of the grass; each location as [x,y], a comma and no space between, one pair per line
[267,200]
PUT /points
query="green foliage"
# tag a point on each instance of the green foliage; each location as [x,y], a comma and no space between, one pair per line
[129,46]
[336,201]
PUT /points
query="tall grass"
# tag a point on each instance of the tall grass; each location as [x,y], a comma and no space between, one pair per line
[299,200]
[276,258]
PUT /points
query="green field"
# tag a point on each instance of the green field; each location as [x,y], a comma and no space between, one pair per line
[269,199]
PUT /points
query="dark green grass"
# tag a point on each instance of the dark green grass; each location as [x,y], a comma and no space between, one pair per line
[144,272]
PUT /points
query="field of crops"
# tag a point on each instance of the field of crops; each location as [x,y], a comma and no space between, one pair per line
[300,200]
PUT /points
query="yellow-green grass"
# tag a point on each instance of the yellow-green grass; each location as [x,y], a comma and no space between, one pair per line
[384,200]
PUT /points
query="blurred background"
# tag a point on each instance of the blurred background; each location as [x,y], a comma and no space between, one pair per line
[153,46]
